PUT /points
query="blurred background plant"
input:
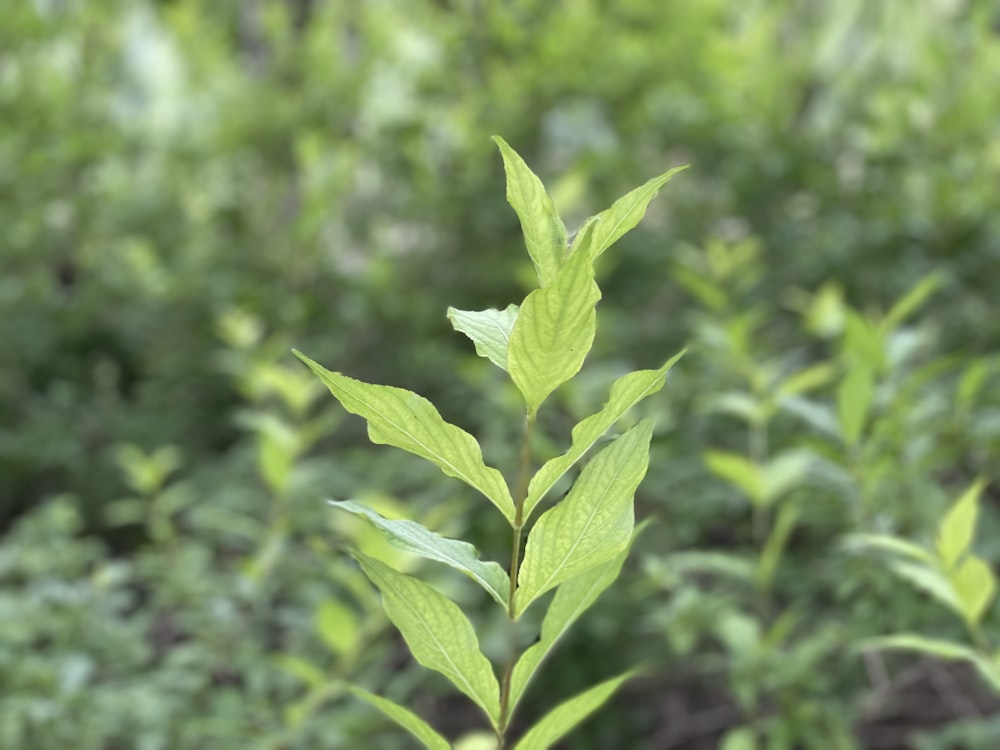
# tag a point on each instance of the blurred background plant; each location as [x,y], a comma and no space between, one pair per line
[188,189]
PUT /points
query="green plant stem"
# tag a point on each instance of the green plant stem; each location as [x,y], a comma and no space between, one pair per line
[520,495]
[758,455]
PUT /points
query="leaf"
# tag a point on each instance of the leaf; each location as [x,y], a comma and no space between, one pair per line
[786,470]
[410,536]
[737,470]
[740,405]
[741,738]
[592,524]
[929,580]
[974,587]
[554,332]
[439,635]
[958,527]
[854,399]
[488,329]
[405,718]
[544,232]
[626,392]
[890,544]
[862,342]
[405,420]
[912,300]
[309,673]
[624,214]
[808,379]
[572,599]
[563,718]
[912,642]
[338,626]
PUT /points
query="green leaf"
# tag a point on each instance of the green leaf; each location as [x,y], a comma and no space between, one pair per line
[929,580]
[912,642]
[554,332]
[592,524]
[808,379]
[626,392]
[741,738]
[785,471]
[338,626]
[439,635]
[863,343]
[737,470]
[297,667]
[544,232]
[624,214]
[912,300]
[405,420]
[572,599]
[410,536]
[563,719]
[405,718]
[488,329]
[975,586]
[958,527]
[890,544]
[854,399]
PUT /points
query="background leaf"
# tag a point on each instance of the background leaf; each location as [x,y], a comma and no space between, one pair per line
[975,586]
[958,527]
[338,625]
[854,399]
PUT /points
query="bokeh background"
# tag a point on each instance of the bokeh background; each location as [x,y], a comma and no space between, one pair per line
[189,189]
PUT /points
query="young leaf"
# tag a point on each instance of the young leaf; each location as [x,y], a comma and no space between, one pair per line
[405,420]
[410,536]
[623,215]
[488,329]
[554,332]
[854,399]
[975,586]
[592,524]
[544,232]
[561,720]
[626,392]
[572,599]
[958,527]
[405,718]
[439,635]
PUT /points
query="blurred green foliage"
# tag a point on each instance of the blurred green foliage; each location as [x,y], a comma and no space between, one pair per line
[188,189]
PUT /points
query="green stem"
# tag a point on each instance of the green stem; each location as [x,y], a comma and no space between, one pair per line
[520,494]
